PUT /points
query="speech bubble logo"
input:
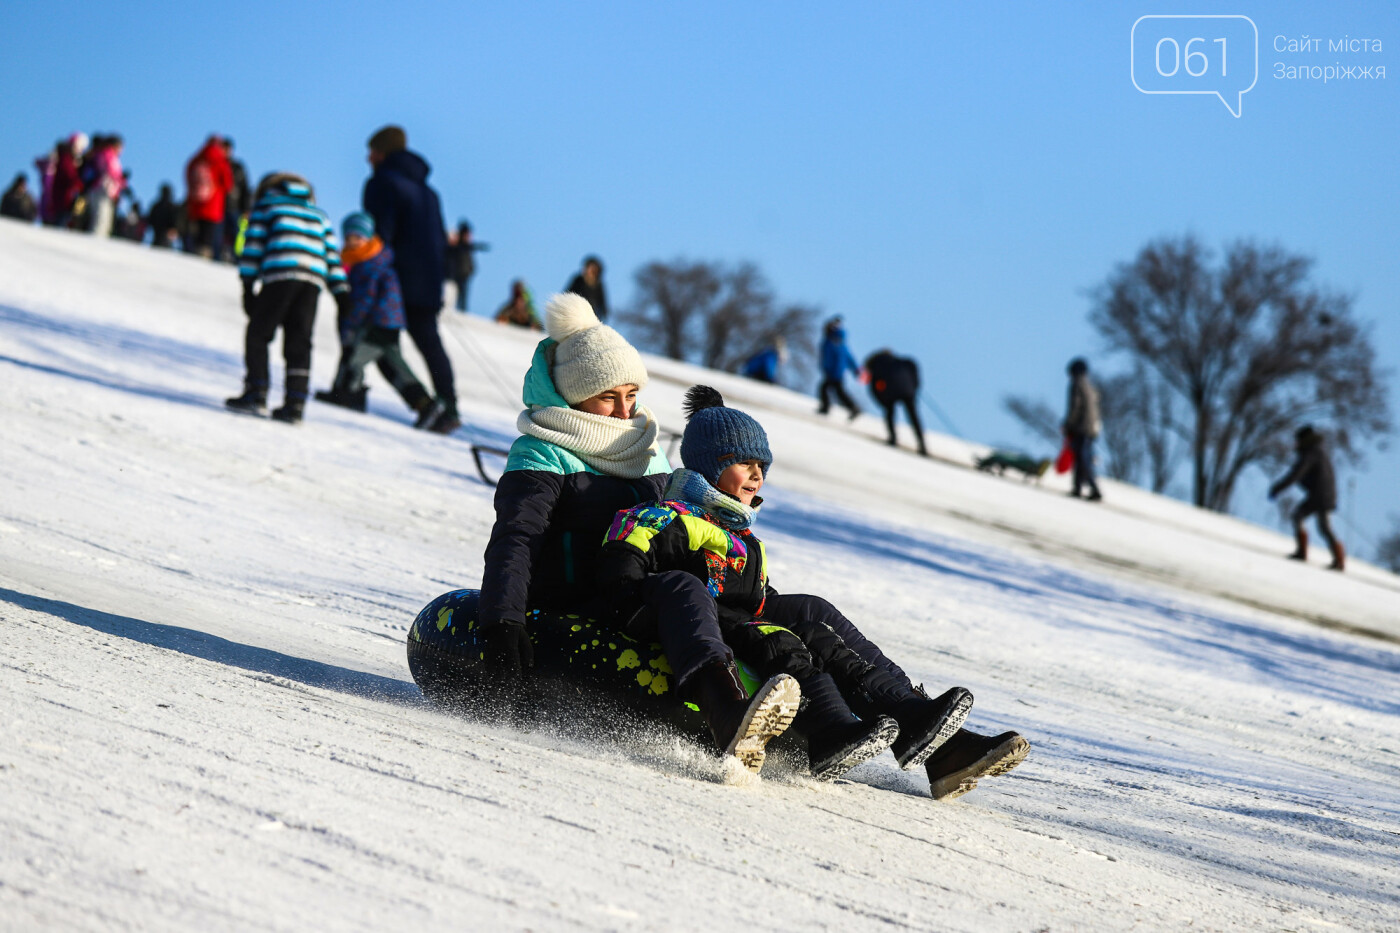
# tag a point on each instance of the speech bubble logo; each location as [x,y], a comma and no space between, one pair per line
[1216,54]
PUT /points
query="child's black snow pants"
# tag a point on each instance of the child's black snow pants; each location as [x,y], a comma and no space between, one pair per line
[291,305]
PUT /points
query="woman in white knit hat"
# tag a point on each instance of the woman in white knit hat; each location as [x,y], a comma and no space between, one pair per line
[588,450]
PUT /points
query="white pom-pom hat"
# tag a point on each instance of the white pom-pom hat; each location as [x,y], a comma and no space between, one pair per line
[591,356]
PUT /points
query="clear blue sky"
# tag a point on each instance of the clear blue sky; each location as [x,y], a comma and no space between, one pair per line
[950,178]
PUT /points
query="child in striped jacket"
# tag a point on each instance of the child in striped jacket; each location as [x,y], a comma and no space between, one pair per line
[291,248]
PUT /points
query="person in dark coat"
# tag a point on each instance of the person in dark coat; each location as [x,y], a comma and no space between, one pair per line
[836,361]
[17,202]
[894,380]
[461,261]
[1081,426]
[163,220]
[588,283]
[408,217]
[1313,471]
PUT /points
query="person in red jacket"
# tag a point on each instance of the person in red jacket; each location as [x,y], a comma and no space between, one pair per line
[208,180]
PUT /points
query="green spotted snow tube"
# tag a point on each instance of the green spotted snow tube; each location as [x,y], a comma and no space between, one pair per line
[581,666]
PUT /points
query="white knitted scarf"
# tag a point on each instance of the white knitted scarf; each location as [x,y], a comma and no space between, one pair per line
[609,445]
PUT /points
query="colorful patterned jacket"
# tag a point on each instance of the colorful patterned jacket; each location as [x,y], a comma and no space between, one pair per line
[289,237]
[375,299]
[674,535]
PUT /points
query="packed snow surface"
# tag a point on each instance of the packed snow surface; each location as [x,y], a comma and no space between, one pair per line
[209,722]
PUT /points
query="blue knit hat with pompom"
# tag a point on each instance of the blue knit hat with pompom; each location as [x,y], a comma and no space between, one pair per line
[717,437]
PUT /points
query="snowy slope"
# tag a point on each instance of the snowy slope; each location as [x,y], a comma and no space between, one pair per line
[209,722]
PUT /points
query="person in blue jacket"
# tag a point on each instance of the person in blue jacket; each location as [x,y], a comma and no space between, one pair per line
[408,216]
[764,364]
[836,362]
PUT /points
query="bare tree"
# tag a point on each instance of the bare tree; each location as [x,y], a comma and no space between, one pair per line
[717,315]
[1249,348]
[1140,429]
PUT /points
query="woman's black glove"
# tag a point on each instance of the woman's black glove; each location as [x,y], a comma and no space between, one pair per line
[508,648]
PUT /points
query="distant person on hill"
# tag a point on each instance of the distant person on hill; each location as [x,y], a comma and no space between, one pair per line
[59,171]
[461,261]
[588,284]
[238,201]
[163,219]
[408,217]
[208,179]
[131,222]
[17,202]
[105,186]
[763,365]
[519,309]
[1313,471]
[894,380]
[836,361]
[1081,426]
[370,325]
[291,249]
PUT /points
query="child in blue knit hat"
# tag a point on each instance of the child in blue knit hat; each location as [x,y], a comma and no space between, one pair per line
[370,323]
[704,526]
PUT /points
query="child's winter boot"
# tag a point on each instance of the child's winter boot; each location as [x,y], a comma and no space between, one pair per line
[924,724]
[290,412]
[838,740]
[429,409]
[355,401]
[1339,556]
[253,401]
[954,769]
[741,725]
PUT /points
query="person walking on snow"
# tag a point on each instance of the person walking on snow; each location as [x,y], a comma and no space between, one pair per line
[291,249]
[1081,426]
[894,380]
[369,328]
[836,361]
[408,218]
[1313,471]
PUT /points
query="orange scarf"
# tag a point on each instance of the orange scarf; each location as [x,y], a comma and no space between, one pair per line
[367,250]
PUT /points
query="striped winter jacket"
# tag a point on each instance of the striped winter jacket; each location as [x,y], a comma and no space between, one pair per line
[289,237]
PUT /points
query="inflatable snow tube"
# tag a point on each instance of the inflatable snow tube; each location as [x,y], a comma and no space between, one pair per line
[580,666]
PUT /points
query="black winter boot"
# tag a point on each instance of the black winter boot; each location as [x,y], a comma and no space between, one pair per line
[291,412]
[741,725]
[837,740]
[955,768]
[1301,551]
[924,724]
[430,410]
[355,401]
[251,402]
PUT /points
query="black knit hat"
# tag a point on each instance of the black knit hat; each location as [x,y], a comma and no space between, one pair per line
[717,437]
